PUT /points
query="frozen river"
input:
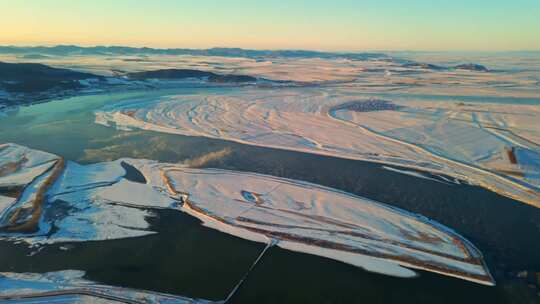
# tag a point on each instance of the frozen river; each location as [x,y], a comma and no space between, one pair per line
[187,259]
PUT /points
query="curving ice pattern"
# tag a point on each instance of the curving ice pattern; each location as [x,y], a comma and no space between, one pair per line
[491,145]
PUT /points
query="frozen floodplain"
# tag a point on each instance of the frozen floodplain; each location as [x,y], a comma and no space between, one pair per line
[491,145]
[69,286]
[100,201]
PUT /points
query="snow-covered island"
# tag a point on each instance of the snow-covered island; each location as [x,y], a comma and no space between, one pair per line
[112,200]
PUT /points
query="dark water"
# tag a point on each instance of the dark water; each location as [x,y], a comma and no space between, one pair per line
[188,259]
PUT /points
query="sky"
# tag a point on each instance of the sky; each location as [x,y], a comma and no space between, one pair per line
[338,25]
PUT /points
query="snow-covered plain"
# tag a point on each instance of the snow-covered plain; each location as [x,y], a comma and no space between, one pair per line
[508,76]
[101,201]
[69,286]
[312,105]
[23,173]
[471,142]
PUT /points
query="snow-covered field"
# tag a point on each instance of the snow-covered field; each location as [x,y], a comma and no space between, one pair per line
[484,144]
[69,286]
[113,200]
[507,75]
[426,116]
[23,175]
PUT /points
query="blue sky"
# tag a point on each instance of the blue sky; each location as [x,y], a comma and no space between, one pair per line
[298,24]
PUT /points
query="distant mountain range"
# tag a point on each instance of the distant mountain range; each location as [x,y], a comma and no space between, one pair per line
[43,52]
[63,50]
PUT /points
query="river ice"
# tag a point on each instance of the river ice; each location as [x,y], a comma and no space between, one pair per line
[472,142]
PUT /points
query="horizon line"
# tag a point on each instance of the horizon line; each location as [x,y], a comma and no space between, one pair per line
[271,49]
